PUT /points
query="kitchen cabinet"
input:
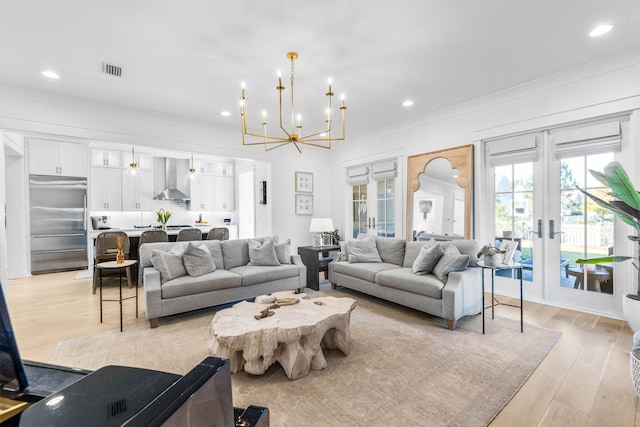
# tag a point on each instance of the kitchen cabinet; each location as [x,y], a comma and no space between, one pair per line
[224,168]
[106,189]
[48,157]
[202,193]
[224,197]
[137,194]
[202,166]
[143,160]
[106,158]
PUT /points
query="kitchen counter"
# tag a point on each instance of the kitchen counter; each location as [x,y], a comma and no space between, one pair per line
[136,232]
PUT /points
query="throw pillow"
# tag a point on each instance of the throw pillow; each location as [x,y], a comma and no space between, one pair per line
[198,260]
[427,259]
[262,253]
[450,261]
[363,250]
[169,265]
[283,252]
[344,251]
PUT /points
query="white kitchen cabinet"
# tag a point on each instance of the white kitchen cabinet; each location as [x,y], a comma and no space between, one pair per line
[106,189]
[106,158]
[224,168]
[202,193]
[144,161]
[137,194]
[48,157]
[202,166]
[224,197]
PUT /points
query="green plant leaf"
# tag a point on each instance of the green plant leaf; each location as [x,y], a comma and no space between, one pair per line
[618,181]
[604,260]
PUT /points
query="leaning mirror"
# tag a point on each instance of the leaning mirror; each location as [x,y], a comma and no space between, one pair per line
[439,194]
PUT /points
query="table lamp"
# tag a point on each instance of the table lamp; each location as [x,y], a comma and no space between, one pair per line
[321,226]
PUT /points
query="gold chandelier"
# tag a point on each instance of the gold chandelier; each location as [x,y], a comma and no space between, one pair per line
[320,139]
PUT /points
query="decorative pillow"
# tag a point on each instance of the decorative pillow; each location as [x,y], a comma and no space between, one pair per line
[344,251]
[363,250]
[168,264]
[450,261]
[262,253]
[427,259]
[283,252]
[391,249]
[198,260]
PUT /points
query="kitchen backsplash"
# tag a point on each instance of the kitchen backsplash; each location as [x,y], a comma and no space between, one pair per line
[180,215]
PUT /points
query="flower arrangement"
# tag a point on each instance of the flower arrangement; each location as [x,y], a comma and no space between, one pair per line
[489,250]
[163,217]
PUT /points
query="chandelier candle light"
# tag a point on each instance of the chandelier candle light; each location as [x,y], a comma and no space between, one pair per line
[320,139]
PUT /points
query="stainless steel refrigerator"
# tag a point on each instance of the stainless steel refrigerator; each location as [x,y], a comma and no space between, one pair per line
[58,217]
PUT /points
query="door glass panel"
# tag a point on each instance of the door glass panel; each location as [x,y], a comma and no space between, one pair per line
[514,213]
[386,200]
[587,228]
[359,210]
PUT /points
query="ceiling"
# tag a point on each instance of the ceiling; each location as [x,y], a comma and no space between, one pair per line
[189,58]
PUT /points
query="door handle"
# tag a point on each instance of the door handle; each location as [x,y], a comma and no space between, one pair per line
[374,223]
[552,231]
[539,233]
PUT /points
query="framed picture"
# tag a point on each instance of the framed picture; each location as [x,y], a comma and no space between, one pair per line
[304,204]
[304,182]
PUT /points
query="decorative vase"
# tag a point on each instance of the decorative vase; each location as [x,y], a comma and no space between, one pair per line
[120,257]
[493,260]
[164,226]
[631,311]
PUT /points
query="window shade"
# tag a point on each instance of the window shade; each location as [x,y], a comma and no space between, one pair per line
[587,139]
[513,149]
[384,170]
[358,175]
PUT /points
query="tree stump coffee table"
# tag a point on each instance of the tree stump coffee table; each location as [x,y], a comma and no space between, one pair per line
[292,330]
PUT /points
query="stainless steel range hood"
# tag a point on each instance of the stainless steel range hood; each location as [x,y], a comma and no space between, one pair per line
[171,191]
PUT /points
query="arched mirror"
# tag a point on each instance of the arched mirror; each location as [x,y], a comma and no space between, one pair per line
[439,194]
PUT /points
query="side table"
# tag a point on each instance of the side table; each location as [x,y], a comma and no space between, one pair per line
[309,256]
[494,301]
[110,265]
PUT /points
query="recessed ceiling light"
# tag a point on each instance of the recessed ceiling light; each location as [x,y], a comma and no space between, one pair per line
[50,74]
[225,113]
[407,103]
[600,30]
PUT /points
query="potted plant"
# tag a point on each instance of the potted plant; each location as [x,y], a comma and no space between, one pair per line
[625,203]
[492,256]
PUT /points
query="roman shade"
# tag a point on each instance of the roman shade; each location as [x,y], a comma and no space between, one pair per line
[586,139]
[358,175]
[385,170]
[513,149]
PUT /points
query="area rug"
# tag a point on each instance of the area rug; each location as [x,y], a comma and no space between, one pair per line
[405,367]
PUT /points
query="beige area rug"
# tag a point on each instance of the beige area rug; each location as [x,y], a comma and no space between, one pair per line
[405,367]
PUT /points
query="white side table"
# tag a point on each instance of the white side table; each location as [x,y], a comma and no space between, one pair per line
[494,301]
[110,265]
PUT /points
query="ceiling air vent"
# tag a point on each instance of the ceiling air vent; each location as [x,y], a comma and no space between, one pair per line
[112,70]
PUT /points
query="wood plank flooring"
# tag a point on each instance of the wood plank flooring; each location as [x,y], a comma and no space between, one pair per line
[584,381]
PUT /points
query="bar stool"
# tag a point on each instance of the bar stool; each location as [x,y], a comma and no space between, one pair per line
[149,236]
[189,234]
[107,250]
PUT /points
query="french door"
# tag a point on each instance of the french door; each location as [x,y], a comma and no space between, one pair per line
[375,207]
[533,178]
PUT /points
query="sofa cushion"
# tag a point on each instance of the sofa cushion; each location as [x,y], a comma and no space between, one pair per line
[411,251]
[404,279]
[254,274]
[344,251]
[427,259]
[283,252]
[235,253]
[363,250]
[169,264]
[451,260]
[391,249]
[215,247]
[187,285]
[468,247]
[365,271]
[198,260]
[262,253]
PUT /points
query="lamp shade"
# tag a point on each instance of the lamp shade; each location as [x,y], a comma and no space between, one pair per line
[321,225]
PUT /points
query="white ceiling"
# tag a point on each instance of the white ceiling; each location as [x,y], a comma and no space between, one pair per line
[188,58]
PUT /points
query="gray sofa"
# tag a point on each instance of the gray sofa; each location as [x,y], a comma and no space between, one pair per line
[451,297]
[170,292]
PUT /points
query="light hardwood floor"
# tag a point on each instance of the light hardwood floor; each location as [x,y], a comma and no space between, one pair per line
[584,381]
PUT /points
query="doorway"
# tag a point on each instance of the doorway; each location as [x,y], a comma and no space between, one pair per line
[246,203]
